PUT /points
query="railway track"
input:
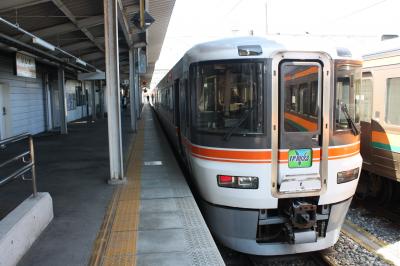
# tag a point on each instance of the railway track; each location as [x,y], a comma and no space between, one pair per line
[390,253]
[310,259]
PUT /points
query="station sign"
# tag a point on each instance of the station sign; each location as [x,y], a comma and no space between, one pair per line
[142,62]
[25,66]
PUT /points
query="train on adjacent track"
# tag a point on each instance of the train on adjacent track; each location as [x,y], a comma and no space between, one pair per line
[380,123]
[268,130]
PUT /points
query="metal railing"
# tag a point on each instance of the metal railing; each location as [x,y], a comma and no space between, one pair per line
[27,157]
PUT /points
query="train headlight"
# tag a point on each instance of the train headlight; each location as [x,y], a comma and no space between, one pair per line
[346,176]
[245,182]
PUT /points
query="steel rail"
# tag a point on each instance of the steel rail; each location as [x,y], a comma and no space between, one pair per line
[369,242]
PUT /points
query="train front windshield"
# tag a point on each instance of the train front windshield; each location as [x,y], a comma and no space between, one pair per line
[229,98]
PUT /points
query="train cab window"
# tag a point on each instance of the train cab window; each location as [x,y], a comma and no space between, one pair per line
[229,98]
[300,83]
[392,101]
[347,95]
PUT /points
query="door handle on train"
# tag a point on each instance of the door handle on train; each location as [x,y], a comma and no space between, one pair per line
[315,138]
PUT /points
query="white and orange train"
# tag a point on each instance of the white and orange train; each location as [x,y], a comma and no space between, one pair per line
[269,133]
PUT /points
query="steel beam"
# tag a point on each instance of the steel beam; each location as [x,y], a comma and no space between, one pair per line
[65,28]
[124,22]
[62,101]
[6,6]
[113,91]
[77,46]
[73,19]
[132,89]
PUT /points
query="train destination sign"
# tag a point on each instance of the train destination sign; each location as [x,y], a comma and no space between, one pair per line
[301,158]
[25,66]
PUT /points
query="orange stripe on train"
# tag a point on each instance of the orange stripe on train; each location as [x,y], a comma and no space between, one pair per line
[265,156]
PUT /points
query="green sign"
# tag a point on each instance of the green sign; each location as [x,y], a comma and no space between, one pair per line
[301,158]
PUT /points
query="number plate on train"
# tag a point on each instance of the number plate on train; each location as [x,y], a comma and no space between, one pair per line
[301,158]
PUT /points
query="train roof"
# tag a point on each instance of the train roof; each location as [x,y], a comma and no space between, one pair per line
[228,48]
[384,49]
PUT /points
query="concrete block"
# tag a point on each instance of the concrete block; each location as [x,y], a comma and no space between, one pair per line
[20,228]
[158,205]
[161,241]
[159,220]
[164,259]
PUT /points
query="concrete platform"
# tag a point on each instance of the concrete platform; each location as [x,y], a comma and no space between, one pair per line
[20,228]
[157,221]
[74,169]
[151,220]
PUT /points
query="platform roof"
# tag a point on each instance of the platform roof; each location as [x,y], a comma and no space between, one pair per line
[77,26]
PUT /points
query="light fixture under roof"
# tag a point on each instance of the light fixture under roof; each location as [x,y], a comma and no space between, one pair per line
[43,43]
[148,20]
[81,62]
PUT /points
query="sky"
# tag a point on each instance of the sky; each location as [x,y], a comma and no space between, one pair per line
[360,22]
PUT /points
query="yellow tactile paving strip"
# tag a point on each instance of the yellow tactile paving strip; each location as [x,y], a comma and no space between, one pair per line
[116,241]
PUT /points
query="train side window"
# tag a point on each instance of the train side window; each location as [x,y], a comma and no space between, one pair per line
[365,100]
[392,101]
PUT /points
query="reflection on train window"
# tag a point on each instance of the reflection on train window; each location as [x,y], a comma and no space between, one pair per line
[229,98]
[347,95]
[392,101]
[299,85]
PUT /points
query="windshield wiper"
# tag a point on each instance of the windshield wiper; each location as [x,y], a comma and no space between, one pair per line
[228,135]
[350,121]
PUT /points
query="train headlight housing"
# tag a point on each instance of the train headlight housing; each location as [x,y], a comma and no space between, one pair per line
[243,182]
[347,176]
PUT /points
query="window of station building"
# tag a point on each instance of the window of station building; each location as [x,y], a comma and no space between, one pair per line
[347,95]
[392,101]
[229,97]
[80,96]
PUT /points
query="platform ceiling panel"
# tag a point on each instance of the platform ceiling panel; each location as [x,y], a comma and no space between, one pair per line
[35,17]
[78,26]
[161,11]
[81,8]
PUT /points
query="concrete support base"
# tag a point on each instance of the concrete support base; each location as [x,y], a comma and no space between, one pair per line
[20,228]
[115,182]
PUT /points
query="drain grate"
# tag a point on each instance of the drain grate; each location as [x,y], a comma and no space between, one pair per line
[149,163]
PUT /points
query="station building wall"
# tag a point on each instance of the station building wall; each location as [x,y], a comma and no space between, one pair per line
[25,112]
[33,108]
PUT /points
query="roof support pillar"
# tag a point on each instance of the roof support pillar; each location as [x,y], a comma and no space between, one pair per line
[113,92]
[132,87]
[93,100]
[62,101]
[137,86]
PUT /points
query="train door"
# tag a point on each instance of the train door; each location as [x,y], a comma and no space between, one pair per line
[365,103]
[184,114]
[300,125]
[5,119]
[177,114]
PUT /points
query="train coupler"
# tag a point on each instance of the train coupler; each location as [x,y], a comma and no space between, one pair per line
[301,227]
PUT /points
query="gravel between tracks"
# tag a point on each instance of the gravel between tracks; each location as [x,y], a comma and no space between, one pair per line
[380,227]
[348,252]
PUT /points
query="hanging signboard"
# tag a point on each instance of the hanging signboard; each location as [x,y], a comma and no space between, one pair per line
[142,63]
[25,66]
